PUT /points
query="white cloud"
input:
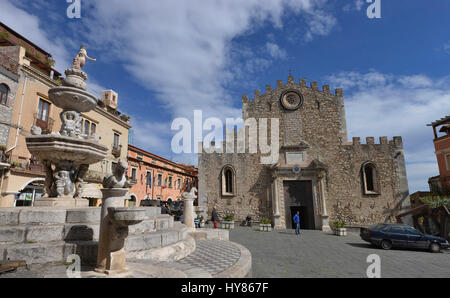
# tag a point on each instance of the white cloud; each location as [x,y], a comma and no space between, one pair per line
[380,104]
[447,47]
[275,51]
[181,49]
[319,23]
[95,89]
[355,6]
[148,134]
[359,4]
[415,81]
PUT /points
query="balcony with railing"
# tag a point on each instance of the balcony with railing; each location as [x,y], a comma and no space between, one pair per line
[46,126]
[25,165]
[116,150]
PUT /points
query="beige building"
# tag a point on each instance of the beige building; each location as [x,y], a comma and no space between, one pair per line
[21,175]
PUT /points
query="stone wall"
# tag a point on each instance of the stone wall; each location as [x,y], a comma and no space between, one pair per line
[10,79]
[320,124]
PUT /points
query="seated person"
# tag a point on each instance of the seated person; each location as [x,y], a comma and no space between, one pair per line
[248,220]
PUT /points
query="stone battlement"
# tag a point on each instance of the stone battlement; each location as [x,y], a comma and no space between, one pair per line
[396,141]
[291,83]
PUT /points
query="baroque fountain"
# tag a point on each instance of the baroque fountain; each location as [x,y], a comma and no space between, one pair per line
[67,154]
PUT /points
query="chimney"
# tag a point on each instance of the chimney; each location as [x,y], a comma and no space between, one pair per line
[110,98]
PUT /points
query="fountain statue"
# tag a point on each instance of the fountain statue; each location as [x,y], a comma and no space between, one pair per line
[67,154]
[114,222]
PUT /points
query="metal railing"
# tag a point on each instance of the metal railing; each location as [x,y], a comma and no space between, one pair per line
[25,165]
[47,126]
[116,150]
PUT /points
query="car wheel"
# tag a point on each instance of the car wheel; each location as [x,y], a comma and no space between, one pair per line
[435,247]
[386,244]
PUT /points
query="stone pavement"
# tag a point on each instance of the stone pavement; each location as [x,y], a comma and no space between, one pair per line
[318,254]
[211,258]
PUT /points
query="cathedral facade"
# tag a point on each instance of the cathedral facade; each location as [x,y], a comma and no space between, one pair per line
[318,171]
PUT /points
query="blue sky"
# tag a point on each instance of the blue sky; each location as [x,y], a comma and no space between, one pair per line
[166,58]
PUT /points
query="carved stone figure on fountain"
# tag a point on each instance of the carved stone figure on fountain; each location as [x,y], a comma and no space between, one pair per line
[118,179]
[64,184]
[71,124]
[75,77]
[79,183]
[80,59]
[49,181]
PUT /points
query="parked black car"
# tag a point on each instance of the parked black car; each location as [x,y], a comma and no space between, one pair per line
[388,236]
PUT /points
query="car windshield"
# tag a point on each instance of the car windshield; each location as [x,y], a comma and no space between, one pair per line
[377,227]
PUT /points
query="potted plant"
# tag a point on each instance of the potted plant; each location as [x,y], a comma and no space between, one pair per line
[339,228]
[265,225]
[420,220]
[228,222]
[16,164]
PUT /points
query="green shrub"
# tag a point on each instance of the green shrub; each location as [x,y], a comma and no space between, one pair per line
[436,201]
[265,221]
[4,34]
[339,224]
[228,217]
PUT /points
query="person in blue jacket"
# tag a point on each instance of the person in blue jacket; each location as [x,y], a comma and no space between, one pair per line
[297,223]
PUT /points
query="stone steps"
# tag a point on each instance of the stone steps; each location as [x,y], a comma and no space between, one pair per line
[58,250]
[25,225]
[75,231]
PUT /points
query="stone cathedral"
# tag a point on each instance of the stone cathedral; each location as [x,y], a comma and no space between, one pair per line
[318,172]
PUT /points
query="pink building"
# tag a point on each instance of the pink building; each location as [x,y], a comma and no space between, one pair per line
[155,177]
[442,149]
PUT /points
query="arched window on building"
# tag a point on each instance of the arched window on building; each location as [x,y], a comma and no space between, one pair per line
[228,181]
[4,91]
[370,180]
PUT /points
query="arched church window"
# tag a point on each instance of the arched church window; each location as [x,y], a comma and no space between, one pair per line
[228,181]
[4,90]
[370,178]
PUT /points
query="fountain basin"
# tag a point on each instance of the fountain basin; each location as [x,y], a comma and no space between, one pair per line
[57,147]
[126,216]
[72,99]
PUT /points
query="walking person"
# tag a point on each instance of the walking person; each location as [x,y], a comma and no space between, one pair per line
[297,223]
[196,223]
[215,217]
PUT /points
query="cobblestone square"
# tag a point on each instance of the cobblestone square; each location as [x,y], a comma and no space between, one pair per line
[281,254]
